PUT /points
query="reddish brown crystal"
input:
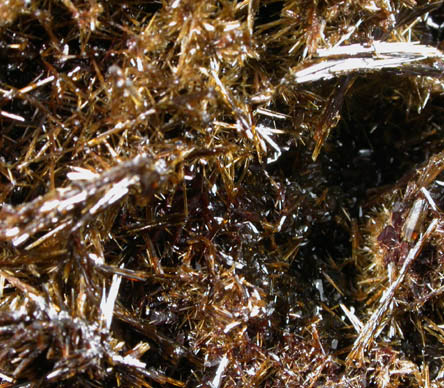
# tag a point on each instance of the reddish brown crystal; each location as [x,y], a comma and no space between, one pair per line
[221,193]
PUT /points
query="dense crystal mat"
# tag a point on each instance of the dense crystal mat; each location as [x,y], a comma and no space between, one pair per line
[221,193]
[10,9]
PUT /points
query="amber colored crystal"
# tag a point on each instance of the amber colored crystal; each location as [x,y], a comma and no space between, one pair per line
[231,193]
